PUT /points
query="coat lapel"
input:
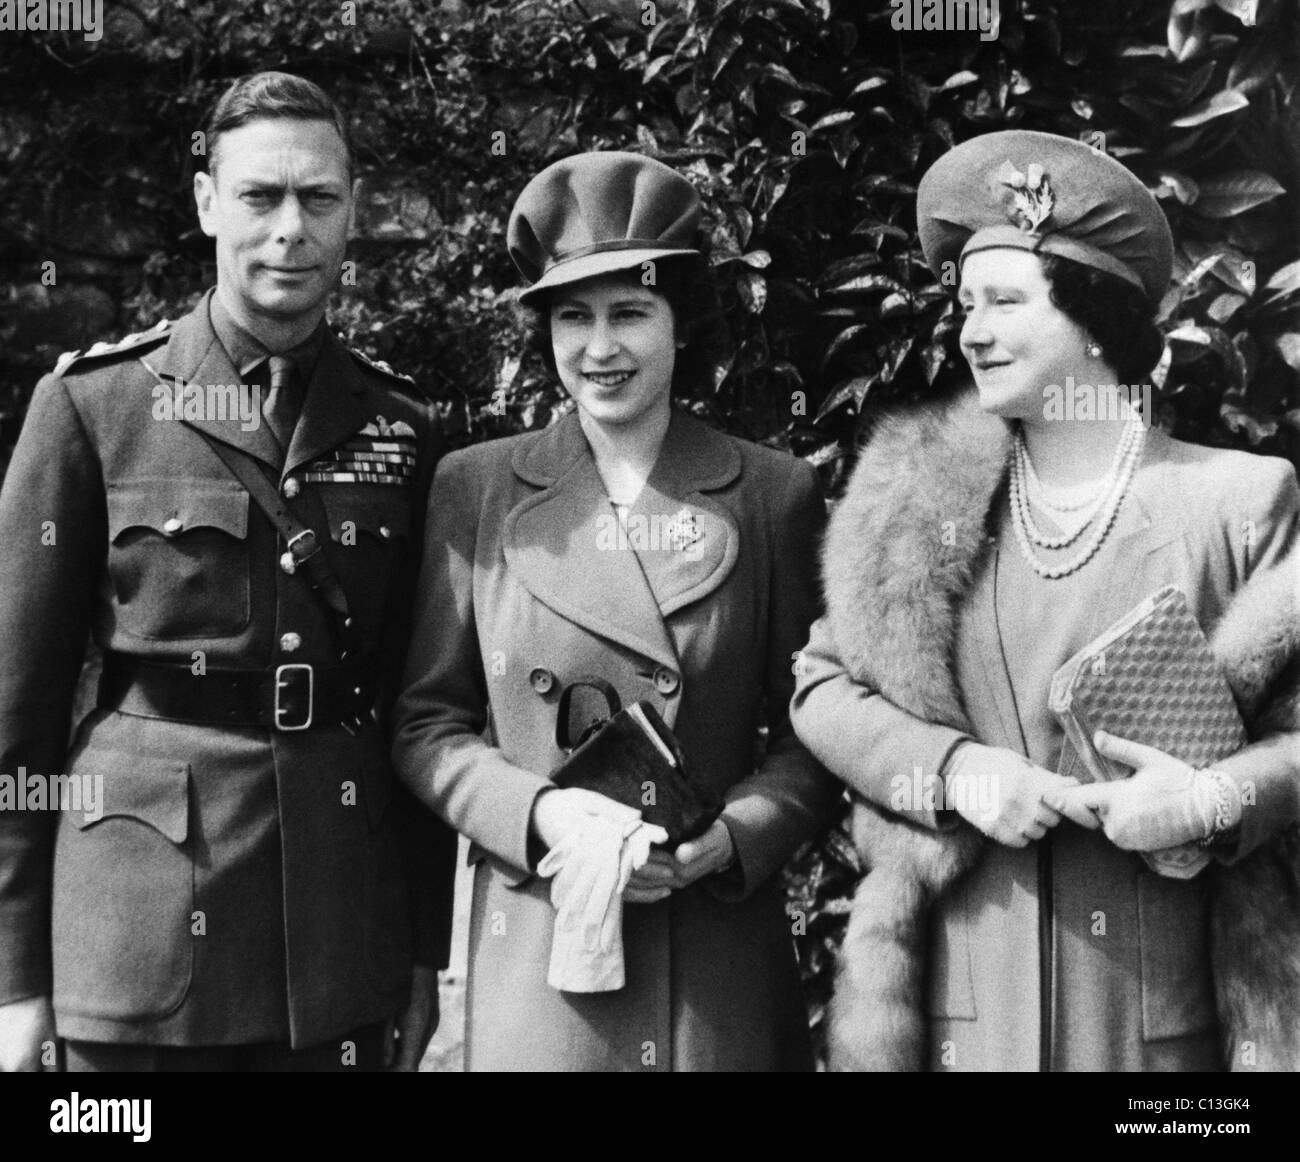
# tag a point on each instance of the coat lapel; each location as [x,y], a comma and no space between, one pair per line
[195,356]
[997,689]
[686,542]
[566,545]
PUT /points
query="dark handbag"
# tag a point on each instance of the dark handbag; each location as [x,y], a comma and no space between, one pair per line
[632,757]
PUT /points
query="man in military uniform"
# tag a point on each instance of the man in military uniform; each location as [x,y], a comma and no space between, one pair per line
[243,887]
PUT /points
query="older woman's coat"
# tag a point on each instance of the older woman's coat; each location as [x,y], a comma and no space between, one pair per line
[1068,954]
[529,585]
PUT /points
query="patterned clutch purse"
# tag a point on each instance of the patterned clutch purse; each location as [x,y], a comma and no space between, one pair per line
[1151,678]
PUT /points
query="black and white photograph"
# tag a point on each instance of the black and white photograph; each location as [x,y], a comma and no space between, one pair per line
[546,536]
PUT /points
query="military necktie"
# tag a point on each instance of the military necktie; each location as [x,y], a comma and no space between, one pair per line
[281,403]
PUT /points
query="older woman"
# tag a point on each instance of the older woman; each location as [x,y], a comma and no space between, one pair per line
[632,543]
[1009,921]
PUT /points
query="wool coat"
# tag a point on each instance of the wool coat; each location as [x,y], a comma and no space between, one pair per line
[528,588]
[237,884]
[1067,954]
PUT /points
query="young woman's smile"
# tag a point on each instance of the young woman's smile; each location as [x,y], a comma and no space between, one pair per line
[615,345]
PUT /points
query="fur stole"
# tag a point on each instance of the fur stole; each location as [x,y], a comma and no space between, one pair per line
[901,552]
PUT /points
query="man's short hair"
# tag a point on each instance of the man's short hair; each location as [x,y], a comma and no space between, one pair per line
[271,95]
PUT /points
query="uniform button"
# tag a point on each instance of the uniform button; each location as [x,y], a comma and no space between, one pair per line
[292,487]
[172,525]
[385,531]
[290,642]
[542,679]
[666,682]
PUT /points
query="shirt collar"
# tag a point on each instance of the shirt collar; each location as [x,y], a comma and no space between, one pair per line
[246,351]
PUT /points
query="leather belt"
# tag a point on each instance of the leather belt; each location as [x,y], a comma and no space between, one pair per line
[294,696]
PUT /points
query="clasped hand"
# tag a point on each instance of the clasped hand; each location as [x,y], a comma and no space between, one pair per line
[1003,794]
[1163,804]
[557,812]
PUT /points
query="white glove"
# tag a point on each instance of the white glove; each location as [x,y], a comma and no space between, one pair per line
[591,866]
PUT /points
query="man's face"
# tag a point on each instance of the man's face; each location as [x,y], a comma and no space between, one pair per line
[279,205]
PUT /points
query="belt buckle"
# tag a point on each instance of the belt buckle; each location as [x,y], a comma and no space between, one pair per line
[283,683]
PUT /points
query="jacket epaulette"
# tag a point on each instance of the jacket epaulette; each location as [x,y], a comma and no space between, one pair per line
[135,343]
[379,365]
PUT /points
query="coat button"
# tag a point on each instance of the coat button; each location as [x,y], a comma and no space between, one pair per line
[172,525]
[292,487]
[542,679]
[290,642]
[666,682]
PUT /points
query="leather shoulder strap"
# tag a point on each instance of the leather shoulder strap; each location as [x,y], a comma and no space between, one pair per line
[304,547]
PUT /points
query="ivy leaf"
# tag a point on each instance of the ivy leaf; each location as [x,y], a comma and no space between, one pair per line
[867,85]
[1288,346]
[752,287]
[844,339]
[1219,105]
[851,390]
[1286,278]
[655,67]
[1222,197]
[865,282]
[839,117]
[957,80]
[1225,306]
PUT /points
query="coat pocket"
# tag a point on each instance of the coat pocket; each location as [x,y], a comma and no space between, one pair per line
[1177,982]
[950,983]
[178,557]
[123,892]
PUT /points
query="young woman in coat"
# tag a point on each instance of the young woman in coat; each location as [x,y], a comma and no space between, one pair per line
[631,542]
[1008,921]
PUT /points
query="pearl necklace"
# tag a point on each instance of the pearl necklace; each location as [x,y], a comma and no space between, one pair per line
[1057,502]
[1071,521]
[1118,482]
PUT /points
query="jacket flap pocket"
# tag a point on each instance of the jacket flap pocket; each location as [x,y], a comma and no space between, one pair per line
[175,505]
[383,512]
[1177,985]
[154,791]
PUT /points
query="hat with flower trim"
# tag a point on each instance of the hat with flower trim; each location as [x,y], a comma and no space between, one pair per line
[597,213]
[1049,195]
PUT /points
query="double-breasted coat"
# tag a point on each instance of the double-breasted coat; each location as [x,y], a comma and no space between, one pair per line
[237,884]
[1070,953]
[528,586]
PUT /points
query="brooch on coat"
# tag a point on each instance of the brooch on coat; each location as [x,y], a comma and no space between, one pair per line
[683,530]
[380,453]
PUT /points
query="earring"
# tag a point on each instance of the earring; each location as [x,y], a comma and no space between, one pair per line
[1094,349]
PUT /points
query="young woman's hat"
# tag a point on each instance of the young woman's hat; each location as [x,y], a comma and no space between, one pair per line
[596,213]
[1049,195]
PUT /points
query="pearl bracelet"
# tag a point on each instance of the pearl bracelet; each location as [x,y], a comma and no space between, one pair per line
[1227,804]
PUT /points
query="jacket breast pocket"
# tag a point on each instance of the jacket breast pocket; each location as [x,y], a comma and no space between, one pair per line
[1177,982]
[369,526]
[178,557]
[123,891]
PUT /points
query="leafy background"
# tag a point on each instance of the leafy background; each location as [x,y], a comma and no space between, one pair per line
[805,124]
